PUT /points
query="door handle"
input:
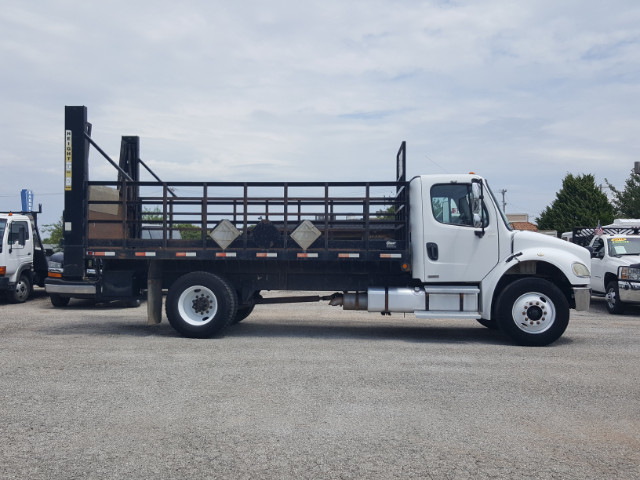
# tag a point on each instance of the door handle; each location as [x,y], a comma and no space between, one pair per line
[432,251]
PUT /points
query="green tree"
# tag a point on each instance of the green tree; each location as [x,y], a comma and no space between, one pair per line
[54,230]
[388,213]
[579,203]
[627,201]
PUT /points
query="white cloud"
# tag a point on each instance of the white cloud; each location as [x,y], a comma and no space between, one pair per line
[521,92]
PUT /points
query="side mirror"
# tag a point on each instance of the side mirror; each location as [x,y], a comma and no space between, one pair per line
[477,196]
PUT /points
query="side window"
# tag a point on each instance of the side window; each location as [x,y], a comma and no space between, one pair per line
[451,204]
[19,233]
[598,245]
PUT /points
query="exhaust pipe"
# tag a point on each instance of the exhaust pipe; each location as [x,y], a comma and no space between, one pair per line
[350,301]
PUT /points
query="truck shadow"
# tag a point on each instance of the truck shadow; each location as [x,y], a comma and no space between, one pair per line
[422,333]
[428,332]
[271,329]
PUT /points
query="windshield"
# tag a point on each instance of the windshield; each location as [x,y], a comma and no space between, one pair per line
[495,202]
[3,224]
[623,246]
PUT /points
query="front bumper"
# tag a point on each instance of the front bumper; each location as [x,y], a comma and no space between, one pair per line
[629,292]
[582,296]
[67,288]
[4,283]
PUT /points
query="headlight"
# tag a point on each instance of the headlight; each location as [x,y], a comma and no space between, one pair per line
[629,273]
[580,270]
[55,264]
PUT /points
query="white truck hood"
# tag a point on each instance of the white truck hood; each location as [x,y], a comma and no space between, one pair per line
[524,240]
[625,260]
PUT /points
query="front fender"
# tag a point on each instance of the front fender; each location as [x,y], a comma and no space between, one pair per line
[555,264]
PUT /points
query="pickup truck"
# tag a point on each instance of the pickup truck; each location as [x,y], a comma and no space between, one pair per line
[23,260]
[615,263]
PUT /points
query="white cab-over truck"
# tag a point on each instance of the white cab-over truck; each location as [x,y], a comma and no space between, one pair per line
[615,262]
[23,261]
[435,246]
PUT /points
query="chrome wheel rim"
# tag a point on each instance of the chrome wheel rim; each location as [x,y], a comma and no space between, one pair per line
[611,298]
[22,291]
[197,305]
[533,312]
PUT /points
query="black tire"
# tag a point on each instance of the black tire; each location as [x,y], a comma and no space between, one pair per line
[243,312]
[200,305]
[58,301]
[492,324]
[135,303]
[614,304]
[22,290]
[533,312]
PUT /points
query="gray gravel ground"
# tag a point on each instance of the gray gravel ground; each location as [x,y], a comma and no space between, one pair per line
[311,391]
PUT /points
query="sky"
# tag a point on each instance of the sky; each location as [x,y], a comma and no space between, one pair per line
[521,93]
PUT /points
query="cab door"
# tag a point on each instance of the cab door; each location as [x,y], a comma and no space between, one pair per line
[19,246]
[598,264]
[456,250]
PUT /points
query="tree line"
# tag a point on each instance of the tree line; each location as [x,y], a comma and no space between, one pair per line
[582,203]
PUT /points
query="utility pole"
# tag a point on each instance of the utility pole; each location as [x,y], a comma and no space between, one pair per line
[504,203]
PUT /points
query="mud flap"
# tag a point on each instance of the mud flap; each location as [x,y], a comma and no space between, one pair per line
[154,293]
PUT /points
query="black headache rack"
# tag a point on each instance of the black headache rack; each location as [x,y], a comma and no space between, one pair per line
[302,221]
[583,235]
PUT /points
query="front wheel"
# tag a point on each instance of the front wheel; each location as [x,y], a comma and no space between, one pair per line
[614,304]
[22,290]
[200,305]
[533,312]
[58,301]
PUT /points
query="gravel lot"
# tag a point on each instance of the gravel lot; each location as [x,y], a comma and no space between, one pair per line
[311,391]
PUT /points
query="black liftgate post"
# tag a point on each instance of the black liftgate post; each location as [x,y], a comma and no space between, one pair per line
[76,161]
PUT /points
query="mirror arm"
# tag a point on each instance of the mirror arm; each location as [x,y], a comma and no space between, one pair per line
[480,233]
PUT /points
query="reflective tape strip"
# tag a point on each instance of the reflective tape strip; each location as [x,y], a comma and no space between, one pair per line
[266,255]
[101,254]
[348,255]
[145,254]
[185,254]
[390,255]
[226,254]
[307,255]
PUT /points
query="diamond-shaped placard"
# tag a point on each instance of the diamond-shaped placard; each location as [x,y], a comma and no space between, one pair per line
[305,234]
[225,233]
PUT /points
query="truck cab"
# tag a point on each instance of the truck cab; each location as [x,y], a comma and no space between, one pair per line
[23,261]
[465,253]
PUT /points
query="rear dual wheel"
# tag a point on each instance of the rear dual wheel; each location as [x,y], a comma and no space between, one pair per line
[201,304]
